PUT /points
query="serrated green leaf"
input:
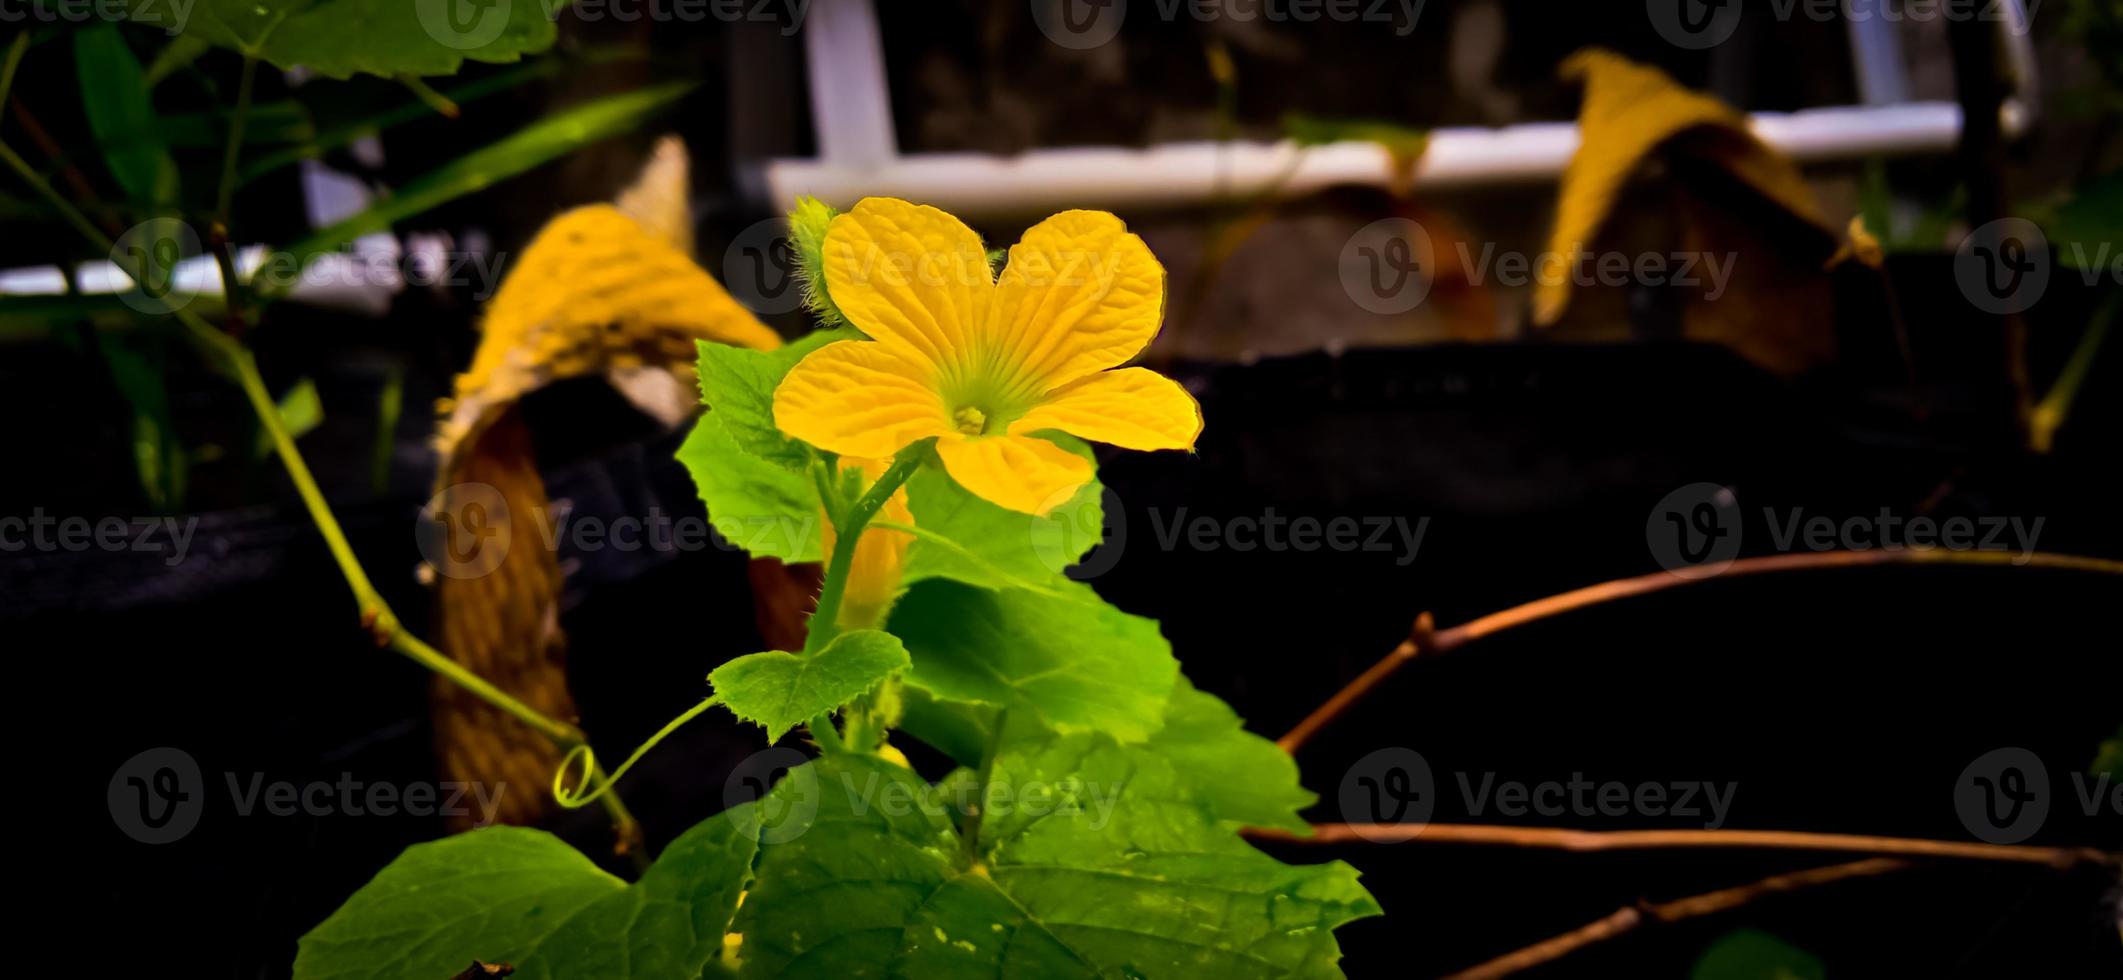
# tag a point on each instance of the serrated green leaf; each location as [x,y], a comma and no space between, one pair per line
[518,896]
[781,690]
[671,923]
[115,100]
[737,383]
[766,510]
[970,540]
[1089,860]
[1076,663]
[1751,954]
[1242,778]
[490,895]
[338,38]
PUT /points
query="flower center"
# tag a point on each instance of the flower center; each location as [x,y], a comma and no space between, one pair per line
[971,421]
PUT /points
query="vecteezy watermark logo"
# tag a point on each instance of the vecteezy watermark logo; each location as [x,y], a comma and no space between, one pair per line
[760,268]
[2003,796]
[463,24]
[1694,532]
[43,532]
[156,797]
[1382,266]
[464,531]
[170,15]
[777,813]
[1698,24]
[2003,265]
[1393,789]
[148,255]
[1061,538]
[1693,24]
[1079,24]
[1389,788]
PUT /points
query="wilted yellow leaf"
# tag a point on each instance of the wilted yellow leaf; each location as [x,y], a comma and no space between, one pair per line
[1629,111]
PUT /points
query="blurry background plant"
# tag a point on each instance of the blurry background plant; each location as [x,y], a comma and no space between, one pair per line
[1894,390]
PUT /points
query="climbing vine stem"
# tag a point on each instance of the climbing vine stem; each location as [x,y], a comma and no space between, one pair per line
[230,355]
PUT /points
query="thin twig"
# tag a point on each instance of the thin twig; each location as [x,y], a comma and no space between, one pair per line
[1564,839]
[1424,642]
[1630,918]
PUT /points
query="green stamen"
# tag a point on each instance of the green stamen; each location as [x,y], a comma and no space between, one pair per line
[971,421]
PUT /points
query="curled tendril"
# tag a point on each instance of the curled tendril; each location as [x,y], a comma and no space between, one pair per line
[584,756]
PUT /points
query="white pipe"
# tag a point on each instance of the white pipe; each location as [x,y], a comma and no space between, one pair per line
[1188,173]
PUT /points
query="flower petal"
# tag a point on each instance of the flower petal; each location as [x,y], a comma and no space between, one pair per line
[1133,408]
[911,276]
[1031,476]
[859,398]
[1080,295]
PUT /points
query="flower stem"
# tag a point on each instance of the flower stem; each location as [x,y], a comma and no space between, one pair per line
[825,622]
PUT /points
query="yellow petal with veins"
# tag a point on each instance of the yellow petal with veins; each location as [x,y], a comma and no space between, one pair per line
[1031,476]
[859,398]
[1079,295]
[911,276]
[1133,408]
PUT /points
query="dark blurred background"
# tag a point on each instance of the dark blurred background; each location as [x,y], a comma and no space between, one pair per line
[1837,701]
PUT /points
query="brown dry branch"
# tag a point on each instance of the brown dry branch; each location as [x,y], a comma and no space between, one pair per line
[1425,640]
[1631,917]
[1564,839]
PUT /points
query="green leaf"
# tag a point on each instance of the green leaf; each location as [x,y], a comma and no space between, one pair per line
[1751,954]
[540,142]
[1078,664]
[300,411]
[1243,779]
[781,690]
[738,384]
[338,38]
[114,98]
[753,504]
[2109,759]
[968,539]
[490,894]
[518,896]
[1088,860]
[2087,228]
[159,455]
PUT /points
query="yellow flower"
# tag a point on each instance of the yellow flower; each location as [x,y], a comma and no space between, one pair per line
[981,362]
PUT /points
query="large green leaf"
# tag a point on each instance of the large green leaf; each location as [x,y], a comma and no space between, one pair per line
[976,542]
[781,690]
[753,504]
[522,897]
[114,98]
[541,142]
[338,38]
[489,895]
[738,383]
[1087,859]
[1242,778]
[1074,662]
